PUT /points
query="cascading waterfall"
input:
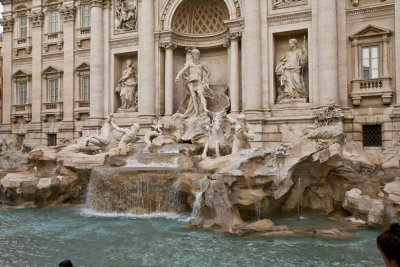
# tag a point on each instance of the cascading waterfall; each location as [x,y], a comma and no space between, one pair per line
[197,205]
[258,208]
[128,190]
[299,200]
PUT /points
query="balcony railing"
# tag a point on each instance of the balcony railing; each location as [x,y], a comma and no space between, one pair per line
[21,111]
[380,87]
[82,34]
[81,107]
[22,43]
[52,108]
[53,38]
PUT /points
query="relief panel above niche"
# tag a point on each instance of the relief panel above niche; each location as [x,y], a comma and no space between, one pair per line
[277,4]
[125,16]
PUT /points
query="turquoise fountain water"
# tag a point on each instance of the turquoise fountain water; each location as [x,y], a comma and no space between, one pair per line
[45,236]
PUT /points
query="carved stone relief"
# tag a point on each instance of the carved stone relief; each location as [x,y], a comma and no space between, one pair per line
[125,16]
[287,3]
[68,11]
[7,24]
[36,18]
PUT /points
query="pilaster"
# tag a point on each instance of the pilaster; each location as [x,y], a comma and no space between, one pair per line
[147,84]
[7,24]
[397,50]
[328,49]
[252,52]
[36,18]
[67,125]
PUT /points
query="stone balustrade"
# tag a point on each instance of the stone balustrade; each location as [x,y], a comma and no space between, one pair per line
[21,111]
[362,88]
[52,109]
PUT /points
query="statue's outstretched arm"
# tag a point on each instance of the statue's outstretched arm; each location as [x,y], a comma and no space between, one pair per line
[117,128]
[185,67]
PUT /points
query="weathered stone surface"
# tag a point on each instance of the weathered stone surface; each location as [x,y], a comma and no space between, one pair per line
[363,205]
[22,188]
[261,226]
[393,189]
[223,213]
[333,232]
[14,180]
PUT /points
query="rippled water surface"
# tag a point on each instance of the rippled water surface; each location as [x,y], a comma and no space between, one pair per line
[45,236]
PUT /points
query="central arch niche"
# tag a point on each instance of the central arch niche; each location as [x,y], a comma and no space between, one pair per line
[200,24]
[200,17]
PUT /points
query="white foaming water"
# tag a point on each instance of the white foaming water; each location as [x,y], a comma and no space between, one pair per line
[134,163]
[198,203]
[86,212]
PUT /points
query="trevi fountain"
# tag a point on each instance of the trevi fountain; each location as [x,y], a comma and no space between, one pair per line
[195,187]
[193,191]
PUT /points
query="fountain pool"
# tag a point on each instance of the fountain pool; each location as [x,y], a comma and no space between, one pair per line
[45,236]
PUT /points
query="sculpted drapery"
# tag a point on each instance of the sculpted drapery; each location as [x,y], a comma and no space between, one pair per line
[289,73]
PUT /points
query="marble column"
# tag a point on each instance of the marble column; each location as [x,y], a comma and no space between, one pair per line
[68,13]
[328,49]
[397,50]
[7,68]
[252,57]
[147,79]
[234,73]
[96,61]
[169,78]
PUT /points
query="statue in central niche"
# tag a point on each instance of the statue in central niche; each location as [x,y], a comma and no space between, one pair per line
[127,88]
[289,72]
[197,85]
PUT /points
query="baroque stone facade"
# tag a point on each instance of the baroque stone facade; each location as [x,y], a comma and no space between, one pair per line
[69,64]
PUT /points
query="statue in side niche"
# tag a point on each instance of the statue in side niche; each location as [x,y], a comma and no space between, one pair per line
[289,72]
[197,85]
[125,16]
[127,88]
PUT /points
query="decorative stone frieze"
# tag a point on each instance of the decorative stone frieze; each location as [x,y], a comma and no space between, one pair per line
[68,11]
[374,10]
[124,43]
[289,19]
[36,18]
[7,24]
[125,16]
[276,4]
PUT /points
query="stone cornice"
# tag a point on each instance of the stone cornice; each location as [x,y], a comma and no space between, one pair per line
[235,25]
[289,18]
[196,40]
[36,18]
[372,9]
[68,11]
[7,24]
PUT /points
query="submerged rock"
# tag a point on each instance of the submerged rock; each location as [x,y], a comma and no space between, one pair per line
[364,206]
[393,189]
